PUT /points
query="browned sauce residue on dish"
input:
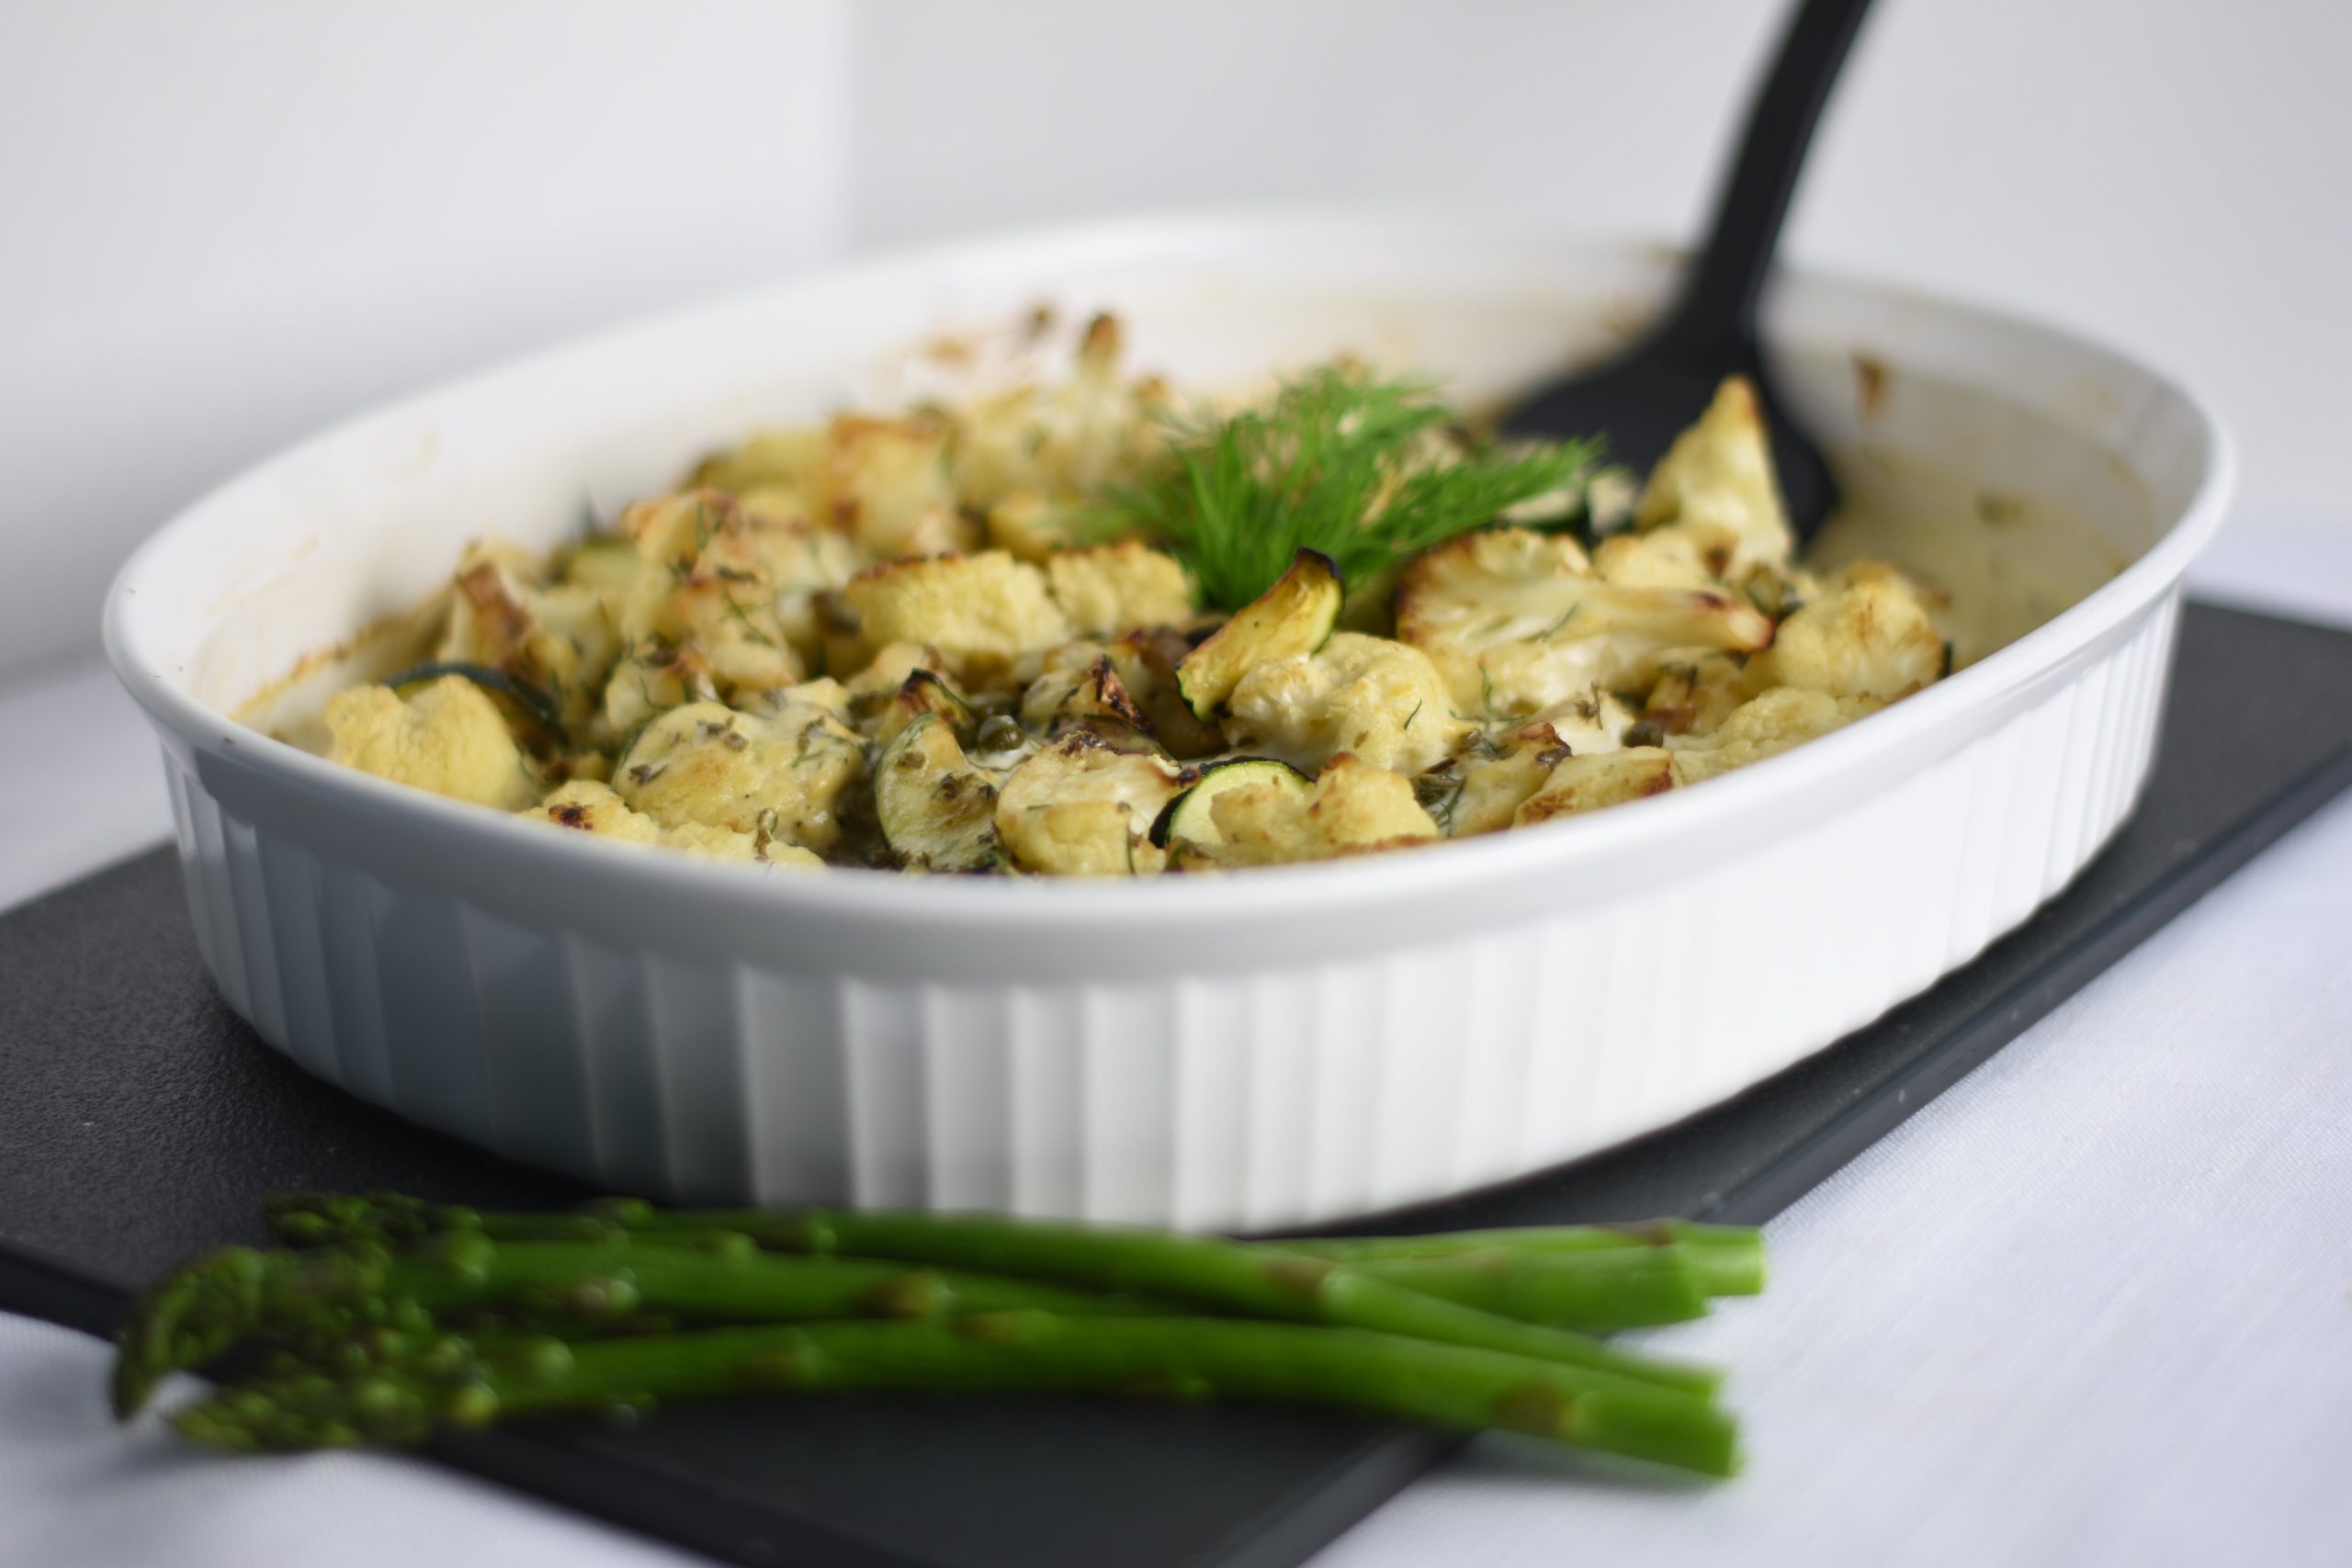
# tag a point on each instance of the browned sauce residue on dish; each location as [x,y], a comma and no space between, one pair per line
[1871,379]
[1996,509]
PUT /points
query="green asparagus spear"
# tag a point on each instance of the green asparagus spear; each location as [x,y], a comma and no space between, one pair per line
[1729,1258]
[450,1382]
[1230,1276]
[1598,1292]
[204,1309]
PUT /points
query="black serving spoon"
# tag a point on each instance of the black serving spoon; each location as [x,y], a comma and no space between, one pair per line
[1643,398]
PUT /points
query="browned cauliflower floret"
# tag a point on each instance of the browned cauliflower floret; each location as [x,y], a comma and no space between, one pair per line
[1868,637]
[447,738]
[1715,487]
[981,612]
[711,599]
[774,463]
[885,482]
[1765,726]
[1578,785]
[1693,697]
[587,807]
[1663,558]
[1031,527]
[800,564]
[1106,590]
[1355,807]
[882,678]
[782,773]
[1080,808]
[1479,791]
[1517,624]
[1093,429]
[1382,701]
[504,616]
[1592,721]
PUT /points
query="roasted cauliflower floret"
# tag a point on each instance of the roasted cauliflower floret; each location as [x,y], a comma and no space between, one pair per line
[1517,624]
[1482,789]
[651,676]
[1716,485]
[1663,558]
[1355,807]
[447,737]
[886,483]
[1578,785]
[1765,726]
[1590,722]
[1106,590]
[981,612]
[1382,701]
[1031,526]
[802,563]
[1868,637]
[557,636]
[1694,697]
[879,681]
[784,775]
[789,461]
[822,694]
[1079,808]
[587,807]
[733,625]
[711,599]
[1093,429]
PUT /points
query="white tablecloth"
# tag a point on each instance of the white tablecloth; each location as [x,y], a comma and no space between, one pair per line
[2094,1305]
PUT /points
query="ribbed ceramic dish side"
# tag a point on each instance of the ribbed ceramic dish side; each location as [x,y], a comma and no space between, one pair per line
[1207,1099]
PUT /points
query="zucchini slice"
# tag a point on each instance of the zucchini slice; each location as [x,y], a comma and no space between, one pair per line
[923,693]
[1296,615]
[1188,816]
[1065,699]
[937,811]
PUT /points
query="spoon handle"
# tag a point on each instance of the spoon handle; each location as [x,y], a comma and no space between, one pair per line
[1717,313]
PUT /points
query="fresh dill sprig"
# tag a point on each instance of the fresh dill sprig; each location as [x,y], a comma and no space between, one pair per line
[1340,462]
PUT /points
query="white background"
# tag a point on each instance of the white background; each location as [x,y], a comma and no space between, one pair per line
[224,223]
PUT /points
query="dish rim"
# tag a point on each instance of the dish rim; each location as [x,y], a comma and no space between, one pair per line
[1769,796]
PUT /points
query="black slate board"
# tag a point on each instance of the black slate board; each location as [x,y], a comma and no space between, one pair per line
[140,1121]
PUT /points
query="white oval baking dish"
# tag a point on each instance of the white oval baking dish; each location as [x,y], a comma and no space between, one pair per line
[1282,1046]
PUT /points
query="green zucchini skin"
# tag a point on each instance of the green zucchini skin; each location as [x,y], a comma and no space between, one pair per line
[1187,815]
[1296,615]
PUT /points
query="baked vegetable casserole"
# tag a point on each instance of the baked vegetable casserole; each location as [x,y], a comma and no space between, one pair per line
[1094,629]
